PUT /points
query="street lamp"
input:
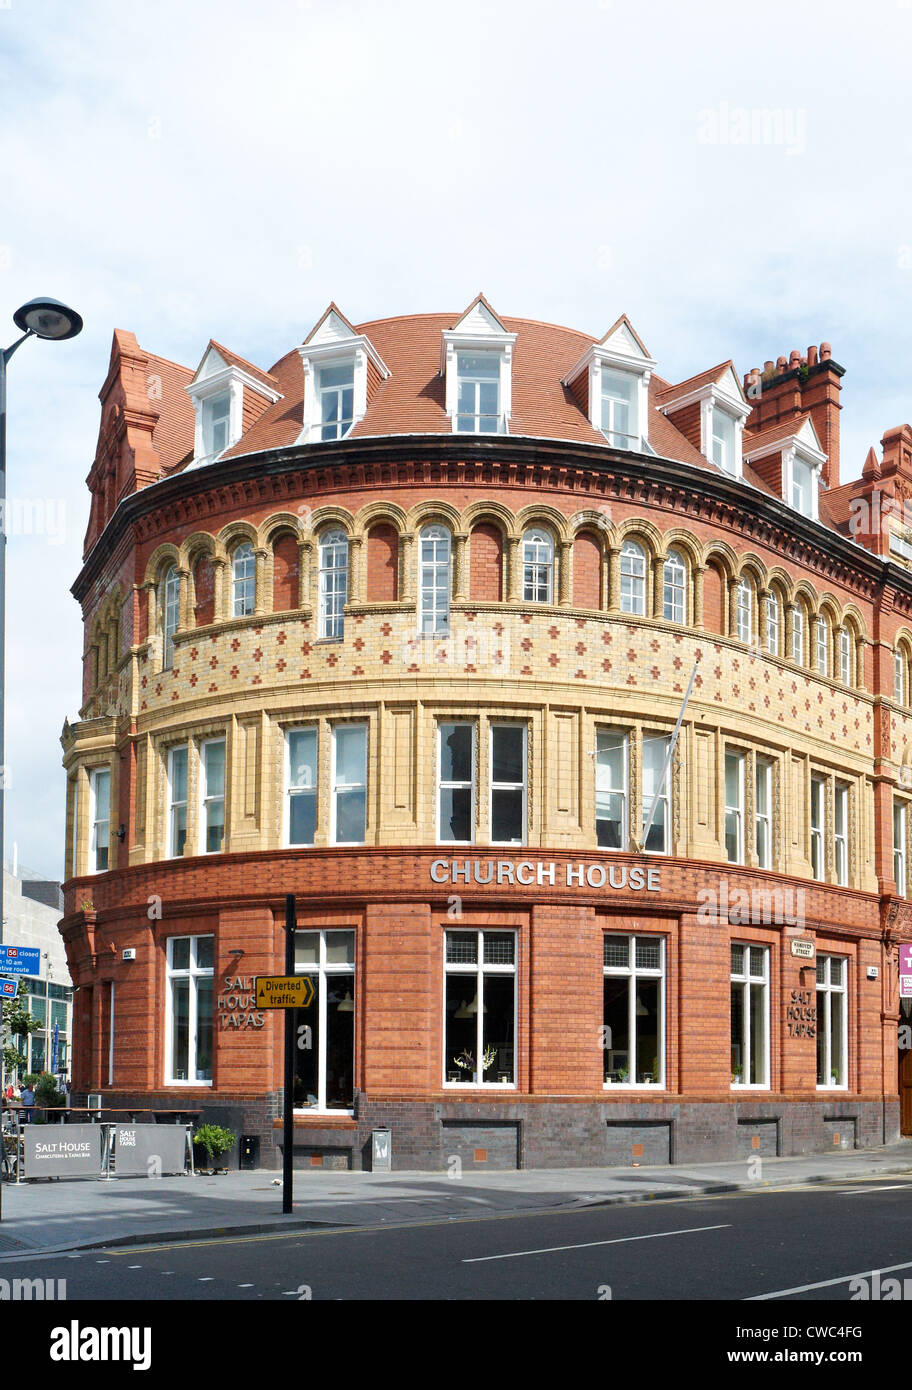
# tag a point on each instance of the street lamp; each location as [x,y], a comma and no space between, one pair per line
[39,318]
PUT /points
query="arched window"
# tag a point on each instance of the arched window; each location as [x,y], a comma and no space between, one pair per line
[822,645]
[538,566]
[333,581]
[798,630]
[845,656]
[434,580]
[170,610]
[772,623]
[744,611]
[900,675]
[675,587]
[633,578]
[243,580]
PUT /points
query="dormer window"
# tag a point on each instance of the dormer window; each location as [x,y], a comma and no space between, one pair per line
[225,390]
[216,423]
[476,361]
[478,377]
[620,409]
[611,383]
[337,394]
[802,487]
[724,440]
[789,459]
[342,370]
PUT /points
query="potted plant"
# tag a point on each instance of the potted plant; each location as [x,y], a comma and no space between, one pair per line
[214,1140]
[736,1076]
[488,1057]
[465,1062]
[622,1074]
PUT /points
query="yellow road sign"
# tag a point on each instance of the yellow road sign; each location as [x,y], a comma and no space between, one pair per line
[283,991]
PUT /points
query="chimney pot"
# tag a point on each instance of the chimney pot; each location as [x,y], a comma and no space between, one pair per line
[812,356]
[825,352]
[768,367]
[781,364]
[794,358]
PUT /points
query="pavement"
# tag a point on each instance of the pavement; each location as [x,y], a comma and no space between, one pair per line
[44,1216]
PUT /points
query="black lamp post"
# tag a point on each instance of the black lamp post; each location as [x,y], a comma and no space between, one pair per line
[40,318]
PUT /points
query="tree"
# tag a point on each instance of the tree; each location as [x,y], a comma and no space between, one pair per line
[17,1023]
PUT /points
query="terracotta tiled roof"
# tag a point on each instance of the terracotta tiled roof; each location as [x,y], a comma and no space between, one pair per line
[173,432]
[233,360]
[774,434]
[693,383]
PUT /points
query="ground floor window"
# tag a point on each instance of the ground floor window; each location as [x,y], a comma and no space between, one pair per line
[832,1033]
[189,1036]
[749,1015]
[325,1031]
[633,1031]
[480,1022]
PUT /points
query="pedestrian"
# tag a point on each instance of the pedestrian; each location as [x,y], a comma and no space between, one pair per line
[9,1091]
[27,1099]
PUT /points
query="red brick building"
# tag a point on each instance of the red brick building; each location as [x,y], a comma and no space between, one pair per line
[404,626]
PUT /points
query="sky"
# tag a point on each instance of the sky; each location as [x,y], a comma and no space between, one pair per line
[735,178]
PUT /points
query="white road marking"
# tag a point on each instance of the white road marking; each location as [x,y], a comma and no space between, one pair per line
[860,1191]
[245,1286]
[587,1245]
[102,1262]
[825,1283]
[134,1266]
[206,1279]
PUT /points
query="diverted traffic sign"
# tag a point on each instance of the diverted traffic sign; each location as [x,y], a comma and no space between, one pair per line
[8,989]
[20,960]
[284,991]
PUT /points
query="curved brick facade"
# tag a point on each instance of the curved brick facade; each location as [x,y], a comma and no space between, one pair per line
[460,812]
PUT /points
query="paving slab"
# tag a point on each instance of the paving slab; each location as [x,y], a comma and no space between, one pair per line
[72,1214]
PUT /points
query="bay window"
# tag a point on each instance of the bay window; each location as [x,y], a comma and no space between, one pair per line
[480,1008]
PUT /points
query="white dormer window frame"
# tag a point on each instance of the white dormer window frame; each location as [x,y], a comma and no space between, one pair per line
[602,362]
[356,352]
[495,344]
[798,446]
[718,406]
[226,380]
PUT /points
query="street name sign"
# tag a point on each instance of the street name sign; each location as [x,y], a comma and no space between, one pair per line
[283,991]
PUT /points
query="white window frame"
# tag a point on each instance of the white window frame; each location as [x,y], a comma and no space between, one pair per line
[764,818]
[538,565]
[633,973]
[749,980]
[736,809]
[206,799]
[97,820]
[602,734]
[674,583]
[334,345]
[216,410]
[793,491]
[632,596]
[818,828]
[194,973]
[664,795]
[772,620]
[798,634]
[291,789]
[467,378]
[326,393]
[434,599]
[899,847]
[176,805]
[725,451]
[336,789]
[841,805]
[332,547]
[243,580]
[170,610]
[845,656]
[450,785]
[476,973]
[508,786]
[834,996]
[631,438]
[326,971]
[822,644]
[744,610]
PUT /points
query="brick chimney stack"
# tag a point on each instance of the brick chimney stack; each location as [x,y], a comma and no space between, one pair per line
[801,384]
